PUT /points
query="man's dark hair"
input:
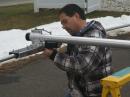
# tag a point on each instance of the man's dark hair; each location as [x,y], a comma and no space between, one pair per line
[71,9]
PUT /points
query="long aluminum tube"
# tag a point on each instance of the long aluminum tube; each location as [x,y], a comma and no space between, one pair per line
[82,40]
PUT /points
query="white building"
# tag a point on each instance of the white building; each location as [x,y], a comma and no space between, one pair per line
[90,5]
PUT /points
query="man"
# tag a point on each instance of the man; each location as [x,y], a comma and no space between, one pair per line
[84,65]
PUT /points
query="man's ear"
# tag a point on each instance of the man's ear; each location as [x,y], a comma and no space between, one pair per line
[77,15]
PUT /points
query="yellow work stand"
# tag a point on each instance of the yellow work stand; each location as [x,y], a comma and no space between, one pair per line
[112,84]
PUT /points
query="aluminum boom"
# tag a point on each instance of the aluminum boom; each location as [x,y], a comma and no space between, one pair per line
[76,40]
[81,40]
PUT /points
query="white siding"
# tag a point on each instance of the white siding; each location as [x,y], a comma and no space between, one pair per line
[92,4]
[54,3]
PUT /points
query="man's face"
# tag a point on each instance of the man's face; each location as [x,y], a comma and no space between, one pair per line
[69,23]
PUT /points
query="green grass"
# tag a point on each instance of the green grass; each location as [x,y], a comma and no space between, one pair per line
[23,16]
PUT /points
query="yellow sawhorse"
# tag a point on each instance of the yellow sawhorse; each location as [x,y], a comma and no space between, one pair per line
[112,84]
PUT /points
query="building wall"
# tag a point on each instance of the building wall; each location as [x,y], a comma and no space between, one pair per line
[110,5]
[92,4]
[115,5]
[54,3]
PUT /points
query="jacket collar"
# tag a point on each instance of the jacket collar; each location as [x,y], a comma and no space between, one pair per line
[85,29]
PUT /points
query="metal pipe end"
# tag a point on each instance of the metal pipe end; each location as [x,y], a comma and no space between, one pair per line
[27,37]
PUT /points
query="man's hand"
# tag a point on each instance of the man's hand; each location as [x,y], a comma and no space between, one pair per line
[62,48]
[47,52]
